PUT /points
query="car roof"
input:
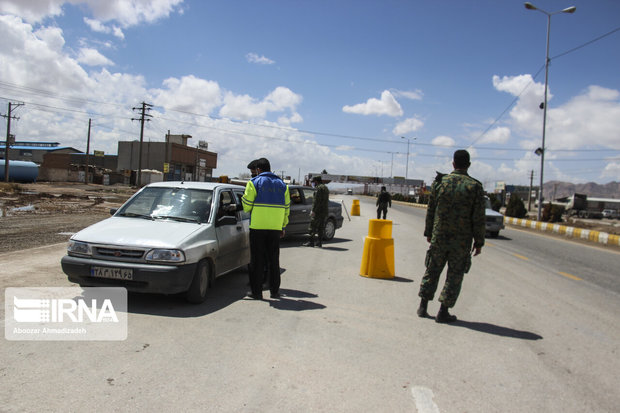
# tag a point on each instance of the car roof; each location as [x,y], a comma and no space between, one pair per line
[299,186]
[194,185]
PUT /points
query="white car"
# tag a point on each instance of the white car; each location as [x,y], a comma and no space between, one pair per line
[170,237]
[494,221]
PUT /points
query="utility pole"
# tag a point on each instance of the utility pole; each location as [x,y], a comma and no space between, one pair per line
[7,143]
[87,151]
[142,119]
[529,197]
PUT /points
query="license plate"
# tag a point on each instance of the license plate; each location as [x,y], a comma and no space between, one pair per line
[115,273]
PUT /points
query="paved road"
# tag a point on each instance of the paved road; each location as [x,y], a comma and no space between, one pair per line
[527,339]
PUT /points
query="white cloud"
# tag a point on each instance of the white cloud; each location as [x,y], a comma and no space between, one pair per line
[126,13]
[92,57]
[246,107]
[32,10]
[408,125]
[116,31]
[497,135]
[34,57]
[612,170]
[443,141]
[589,119]
[97,26]
[412,94]
[386,106]
[189,94]
[261,60]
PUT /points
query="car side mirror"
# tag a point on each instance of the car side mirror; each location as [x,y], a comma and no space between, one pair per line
[113,211]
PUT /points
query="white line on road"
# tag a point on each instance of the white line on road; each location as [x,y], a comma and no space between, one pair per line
[423,397]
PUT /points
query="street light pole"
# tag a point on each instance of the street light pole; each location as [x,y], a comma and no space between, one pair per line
[572,9]
[407,167]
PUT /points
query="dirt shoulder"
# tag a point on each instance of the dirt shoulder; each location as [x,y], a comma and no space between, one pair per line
[33,215]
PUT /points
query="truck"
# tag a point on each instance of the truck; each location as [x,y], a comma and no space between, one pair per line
[579,206]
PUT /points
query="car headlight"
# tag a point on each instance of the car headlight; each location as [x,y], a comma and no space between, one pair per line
[165,255]
[79,248]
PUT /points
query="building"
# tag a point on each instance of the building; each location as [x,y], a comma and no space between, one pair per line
[370,185]
[71,167]
[33,151]
[174,158]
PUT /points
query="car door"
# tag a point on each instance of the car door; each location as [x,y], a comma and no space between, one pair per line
[301,206]
[244,222]
[232,237]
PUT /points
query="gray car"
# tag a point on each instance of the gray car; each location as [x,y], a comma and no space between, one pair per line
[301,206]
[494,221]
[170,237]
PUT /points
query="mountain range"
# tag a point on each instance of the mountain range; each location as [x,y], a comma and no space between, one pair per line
[558,189]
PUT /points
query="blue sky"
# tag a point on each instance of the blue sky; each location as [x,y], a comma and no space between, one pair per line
[333,85]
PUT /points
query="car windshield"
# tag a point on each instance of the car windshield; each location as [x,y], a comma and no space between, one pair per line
[178,204]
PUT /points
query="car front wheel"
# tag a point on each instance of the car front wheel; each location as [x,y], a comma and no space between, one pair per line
[330,230]
[197,292]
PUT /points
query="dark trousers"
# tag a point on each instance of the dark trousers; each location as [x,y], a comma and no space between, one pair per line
[264,246]
[381,208]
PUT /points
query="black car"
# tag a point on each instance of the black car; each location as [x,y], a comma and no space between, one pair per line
[301,206]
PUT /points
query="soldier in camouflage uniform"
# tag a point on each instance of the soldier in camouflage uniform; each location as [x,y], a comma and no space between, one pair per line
[318,216]
[454,218]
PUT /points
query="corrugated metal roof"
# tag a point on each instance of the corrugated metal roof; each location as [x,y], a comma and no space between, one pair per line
[39,148]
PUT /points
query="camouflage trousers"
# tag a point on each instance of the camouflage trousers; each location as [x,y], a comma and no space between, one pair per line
[317,226]
[459,262]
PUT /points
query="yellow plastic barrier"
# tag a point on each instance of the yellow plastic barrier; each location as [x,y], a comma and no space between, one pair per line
[355,208]
[378,255]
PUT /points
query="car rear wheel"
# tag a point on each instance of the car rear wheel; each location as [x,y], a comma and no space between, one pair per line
[197,292]
[330,230]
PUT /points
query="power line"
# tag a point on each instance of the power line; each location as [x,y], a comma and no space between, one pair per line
[586,44]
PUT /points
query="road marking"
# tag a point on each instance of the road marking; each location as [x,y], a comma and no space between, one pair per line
[423,397]
[521,256]
[571,276]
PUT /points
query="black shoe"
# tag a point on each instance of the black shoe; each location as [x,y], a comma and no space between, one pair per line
[253,296]
[443,316]
[308,244]
[275,295]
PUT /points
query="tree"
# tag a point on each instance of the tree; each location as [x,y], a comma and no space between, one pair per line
[552,213]
[496,204]
[516,207]
[324,172]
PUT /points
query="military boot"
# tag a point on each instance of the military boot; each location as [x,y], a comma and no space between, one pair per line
[422,308]
[309,243]
[443,316]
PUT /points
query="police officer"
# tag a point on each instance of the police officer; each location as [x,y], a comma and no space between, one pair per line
[383,200]
[267,197]
[318,216]
[454,218]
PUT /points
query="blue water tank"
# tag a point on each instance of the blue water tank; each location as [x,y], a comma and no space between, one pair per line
[20,171]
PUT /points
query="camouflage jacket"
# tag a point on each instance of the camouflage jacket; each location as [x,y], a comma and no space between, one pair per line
[456,210]
[320,203]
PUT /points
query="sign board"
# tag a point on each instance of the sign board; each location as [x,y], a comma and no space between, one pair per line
[99,153]
[166,167]
[202,163]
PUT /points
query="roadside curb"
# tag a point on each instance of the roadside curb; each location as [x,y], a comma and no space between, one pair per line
[571,232]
